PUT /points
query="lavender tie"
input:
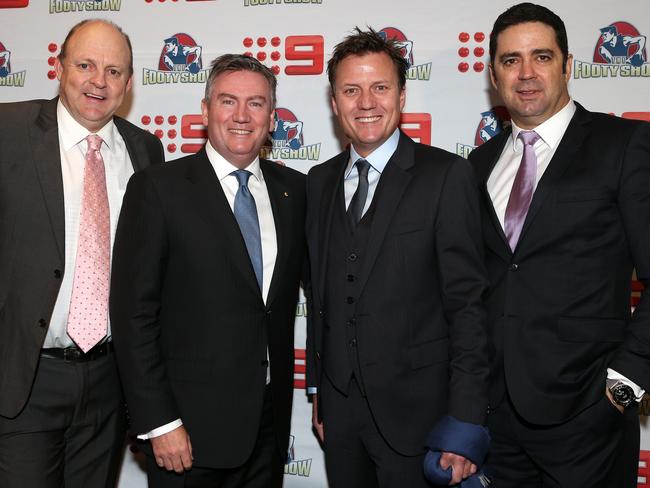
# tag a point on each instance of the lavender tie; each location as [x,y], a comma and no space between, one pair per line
[522,189]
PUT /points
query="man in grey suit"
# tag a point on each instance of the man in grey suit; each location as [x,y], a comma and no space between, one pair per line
[64,165]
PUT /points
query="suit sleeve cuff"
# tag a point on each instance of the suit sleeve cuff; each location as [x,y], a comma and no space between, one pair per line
[164,429]
[615,375]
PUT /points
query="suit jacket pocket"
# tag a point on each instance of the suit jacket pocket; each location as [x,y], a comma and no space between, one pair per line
[400,228]
[575,329]
[429,353]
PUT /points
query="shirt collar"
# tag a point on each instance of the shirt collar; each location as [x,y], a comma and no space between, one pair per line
[378,159]
[72,132]
[223,168]
[551,130]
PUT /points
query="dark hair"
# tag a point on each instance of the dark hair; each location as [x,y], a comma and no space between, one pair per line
[240,62]
[64,46]
[529,12]
[364,42]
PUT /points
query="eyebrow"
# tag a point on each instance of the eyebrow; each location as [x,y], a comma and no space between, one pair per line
[230,95]
[535,52]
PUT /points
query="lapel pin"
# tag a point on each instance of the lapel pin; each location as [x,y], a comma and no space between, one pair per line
[286,194]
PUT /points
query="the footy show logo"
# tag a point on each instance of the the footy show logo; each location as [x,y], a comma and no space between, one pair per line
[287,139]
[492,123]
[415,72]
[293,466]
[66,6]
[620,51]
[179,62]
[7,78]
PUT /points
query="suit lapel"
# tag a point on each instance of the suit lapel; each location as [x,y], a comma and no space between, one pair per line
[135,144]
[493,151]
[282,215]
[565,154]
[393,182]
[214,208]
[47,160]
[327,206]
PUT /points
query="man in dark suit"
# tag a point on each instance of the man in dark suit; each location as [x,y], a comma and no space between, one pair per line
[208,259]
[396,335]
[566,206]
[63,166]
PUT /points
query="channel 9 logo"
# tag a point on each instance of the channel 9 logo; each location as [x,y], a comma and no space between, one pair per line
[308,52]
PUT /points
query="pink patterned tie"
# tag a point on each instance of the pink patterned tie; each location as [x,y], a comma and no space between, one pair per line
[88,316]
[522,189]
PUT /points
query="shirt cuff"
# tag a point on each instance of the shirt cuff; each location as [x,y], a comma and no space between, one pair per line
[312,390]
[164,429]
[615,375]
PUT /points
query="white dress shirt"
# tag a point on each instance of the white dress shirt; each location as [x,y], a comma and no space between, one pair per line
[118,168]
[230,186]
[502,178]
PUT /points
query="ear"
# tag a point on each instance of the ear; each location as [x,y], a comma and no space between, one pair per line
[58,67]
[335,109]
[402,99]
[272,121]
[204,112]
[568,67]
[493,77]
[129,83]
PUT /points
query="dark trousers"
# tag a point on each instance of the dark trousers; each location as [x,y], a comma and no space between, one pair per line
[72,431]
[263,469]
[598,448]
[356,454]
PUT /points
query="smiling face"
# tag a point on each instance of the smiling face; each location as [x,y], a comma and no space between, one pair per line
[527,72]
[239,115]
[94,76]
[367,100]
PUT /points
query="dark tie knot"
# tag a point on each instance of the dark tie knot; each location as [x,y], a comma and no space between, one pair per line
[528,137]
[363,167]
[242,176]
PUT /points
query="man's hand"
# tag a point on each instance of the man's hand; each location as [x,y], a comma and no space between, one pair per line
[314,418]
[173,450]
[461,468]
[611,399]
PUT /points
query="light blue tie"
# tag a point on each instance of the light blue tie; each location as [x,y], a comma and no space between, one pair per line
[246,215]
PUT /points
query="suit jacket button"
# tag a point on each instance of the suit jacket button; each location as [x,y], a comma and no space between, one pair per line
[318,355]
[514,267]
[352,257]
[57,273]
[349,300]
[321,313]
[350,277]
[42,323]
[353,343]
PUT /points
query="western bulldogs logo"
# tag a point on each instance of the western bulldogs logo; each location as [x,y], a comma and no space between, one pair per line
[179,62]
[620,43]
[7,78]
[419,72]
[296,467]
[492,123]
[287,139]
[620,51]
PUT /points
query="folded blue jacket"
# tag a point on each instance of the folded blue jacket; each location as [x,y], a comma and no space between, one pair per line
[465,439]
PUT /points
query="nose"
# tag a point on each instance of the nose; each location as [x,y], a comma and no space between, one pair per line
[240,113]
[526,70]
[367,100]
[99,78]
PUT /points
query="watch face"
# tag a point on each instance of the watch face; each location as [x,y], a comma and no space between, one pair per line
[623,394]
